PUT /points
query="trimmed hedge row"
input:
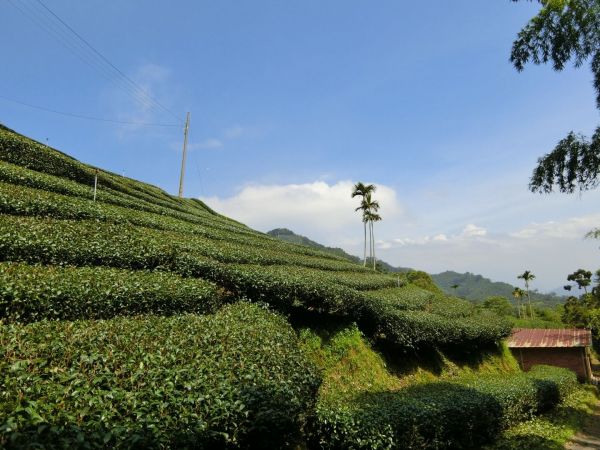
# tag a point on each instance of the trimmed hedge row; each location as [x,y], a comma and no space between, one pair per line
[18,200]
[440,415]
[72,237]
[97,244]
[21,176]
[32,293]
[412,297]
[432,326]
[32,155]
[236,379]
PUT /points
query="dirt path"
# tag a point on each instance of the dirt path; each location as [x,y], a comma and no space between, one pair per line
[589,437]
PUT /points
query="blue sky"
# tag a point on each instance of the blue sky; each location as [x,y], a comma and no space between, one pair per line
[291,102]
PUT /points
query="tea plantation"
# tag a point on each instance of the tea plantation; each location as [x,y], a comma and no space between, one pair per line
[141,320]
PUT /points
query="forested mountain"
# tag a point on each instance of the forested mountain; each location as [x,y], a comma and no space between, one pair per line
[289,236]
[470,286]
[477,287]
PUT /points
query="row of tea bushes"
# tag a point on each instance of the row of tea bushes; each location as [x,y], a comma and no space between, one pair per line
[32,293]
[27,153]
[21,176]
[23,201]
[82,239]
[90,243]
[236,379]
[441,415]
[80,196]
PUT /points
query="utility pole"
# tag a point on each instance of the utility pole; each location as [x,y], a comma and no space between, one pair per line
[185,139]
[95,183]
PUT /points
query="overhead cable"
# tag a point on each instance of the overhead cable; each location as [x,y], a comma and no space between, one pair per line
[84,50]
[99,119]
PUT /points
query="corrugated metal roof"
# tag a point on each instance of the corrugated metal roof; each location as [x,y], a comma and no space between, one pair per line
[537,337]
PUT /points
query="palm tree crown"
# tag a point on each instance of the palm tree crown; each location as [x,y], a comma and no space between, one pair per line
[361,189]
[369,208]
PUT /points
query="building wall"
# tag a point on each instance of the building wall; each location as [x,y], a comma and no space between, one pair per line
[573,358]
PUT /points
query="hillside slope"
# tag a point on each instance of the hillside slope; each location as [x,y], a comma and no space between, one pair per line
[289,236]
[141,320]
[48,219]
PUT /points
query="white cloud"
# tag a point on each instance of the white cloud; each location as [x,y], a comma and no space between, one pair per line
[472,230]
[324,211]
[574,227]
[207,144]
[234,132]
[319,209]
[140,105]
[552,250]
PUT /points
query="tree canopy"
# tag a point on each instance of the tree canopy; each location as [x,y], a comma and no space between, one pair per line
[564,31]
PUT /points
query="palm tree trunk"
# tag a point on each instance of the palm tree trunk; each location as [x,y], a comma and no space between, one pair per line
[374,257]
[365,245]
[531,313]
[370,242]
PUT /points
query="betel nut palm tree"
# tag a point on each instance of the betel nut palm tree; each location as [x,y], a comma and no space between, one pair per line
[527,276]
[373,217]
[370,208]
[362,190]
[517,293]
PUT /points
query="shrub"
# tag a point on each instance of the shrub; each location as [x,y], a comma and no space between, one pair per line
[464,414]
[234,379]
[80,243]
[435,415]
[134,226]
[31,293]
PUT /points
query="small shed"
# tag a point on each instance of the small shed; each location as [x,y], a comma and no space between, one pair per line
[567,348]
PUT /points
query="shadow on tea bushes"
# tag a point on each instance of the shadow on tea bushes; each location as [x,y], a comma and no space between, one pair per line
[467,413]
[230,380]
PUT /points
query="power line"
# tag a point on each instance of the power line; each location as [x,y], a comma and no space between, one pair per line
[80,47]
[74,47]
[99,119]
[125,77]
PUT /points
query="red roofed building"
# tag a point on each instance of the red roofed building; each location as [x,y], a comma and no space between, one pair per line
[567,348]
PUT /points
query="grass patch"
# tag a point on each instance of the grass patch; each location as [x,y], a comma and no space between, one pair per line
[352,365]
[348,362]
[553,429]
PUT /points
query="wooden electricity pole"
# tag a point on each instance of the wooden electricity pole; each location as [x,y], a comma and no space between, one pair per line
[185,139]
[95,183]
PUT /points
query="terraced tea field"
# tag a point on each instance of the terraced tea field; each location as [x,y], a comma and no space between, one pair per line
[145,320]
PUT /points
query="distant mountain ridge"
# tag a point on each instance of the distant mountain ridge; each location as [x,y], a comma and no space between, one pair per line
[288,235]
[470,286]
[477,287]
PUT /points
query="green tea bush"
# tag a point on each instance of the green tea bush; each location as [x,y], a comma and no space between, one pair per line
[432,416]
[553,384]
[20,176]
[91,243]
[32,293]
[236,379]
[47,217]
[415,328]
[25,201]
[464,414]
[32,155]
[80,240]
